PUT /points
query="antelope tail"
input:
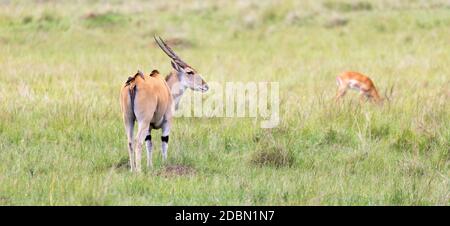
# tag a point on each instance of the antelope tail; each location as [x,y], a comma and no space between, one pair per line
[131,83]
[132,92]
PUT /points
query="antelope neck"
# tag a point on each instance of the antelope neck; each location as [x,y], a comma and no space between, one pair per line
[177,90]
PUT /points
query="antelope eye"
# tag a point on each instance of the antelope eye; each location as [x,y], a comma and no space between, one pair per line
[190,72]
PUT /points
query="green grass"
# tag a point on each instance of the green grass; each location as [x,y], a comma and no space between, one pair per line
[62,140]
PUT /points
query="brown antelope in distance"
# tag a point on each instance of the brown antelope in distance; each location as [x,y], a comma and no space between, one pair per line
[149,99]
[363,84]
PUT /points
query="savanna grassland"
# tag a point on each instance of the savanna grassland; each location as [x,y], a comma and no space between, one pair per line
[62,141]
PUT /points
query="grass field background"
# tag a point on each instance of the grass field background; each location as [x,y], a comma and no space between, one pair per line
[62,141]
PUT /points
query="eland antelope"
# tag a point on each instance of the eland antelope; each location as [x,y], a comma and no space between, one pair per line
[363,84]
[150,100]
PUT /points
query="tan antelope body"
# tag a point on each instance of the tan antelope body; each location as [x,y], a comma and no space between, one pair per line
[357,81]
[150,100]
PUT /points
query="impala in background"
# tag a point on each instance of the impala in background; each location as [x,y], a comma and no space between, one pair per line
[359,82]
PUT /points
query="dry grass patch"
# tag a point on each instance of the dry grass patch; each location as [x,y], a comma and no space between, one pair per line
[336,22]
[274,155]
[176,170]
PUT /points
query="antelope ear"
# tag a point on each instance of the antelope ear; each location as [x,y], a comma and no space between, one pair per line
[175,66]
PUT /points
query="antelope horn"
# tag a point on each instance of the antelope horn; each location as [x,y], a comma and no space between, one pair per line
[170,52]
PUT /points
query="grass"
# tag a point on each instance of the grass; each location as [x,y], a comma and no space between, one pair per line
[62,140]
